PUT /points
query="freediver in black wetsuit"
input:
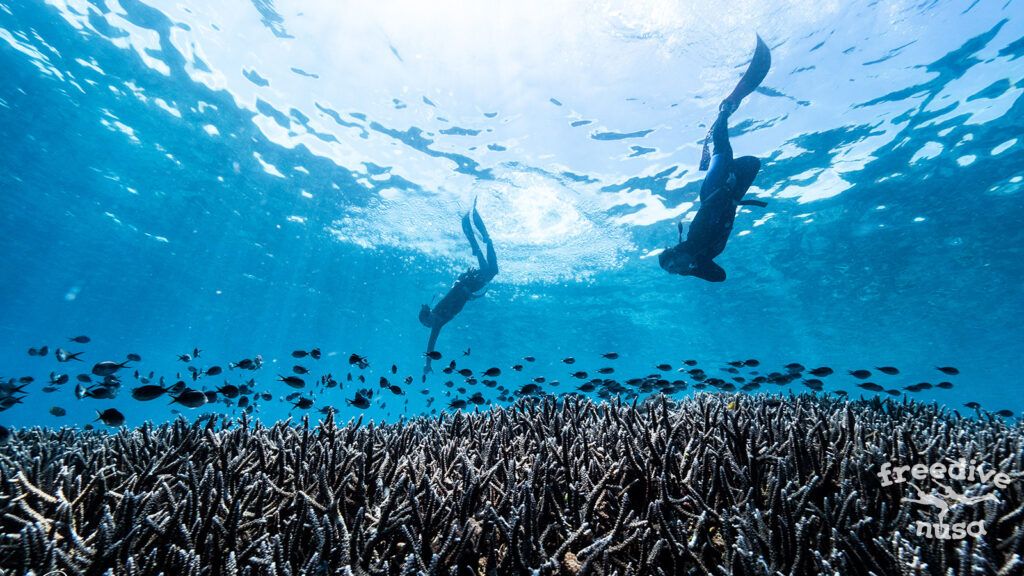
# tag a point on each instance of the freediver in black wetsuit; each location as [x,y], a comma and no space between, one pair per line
[722,191]
[470,285]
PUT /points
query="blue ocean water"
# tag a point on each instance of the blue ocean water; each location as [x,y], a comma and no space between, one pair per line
[258,177]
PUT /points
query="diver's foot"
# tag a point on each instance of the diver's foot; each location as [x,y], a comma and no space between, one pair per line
[727,107]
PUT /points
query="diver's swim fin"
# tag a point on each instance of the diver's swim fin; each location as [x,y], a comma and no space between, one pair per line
[756,71]
[758,203]
[752,78]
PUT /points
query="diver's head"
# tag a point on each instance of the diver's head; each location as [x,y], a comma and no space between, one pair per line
[677,260]
[426,316]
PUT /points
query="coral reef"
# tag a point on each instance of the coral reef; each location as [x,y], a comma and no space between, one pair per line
[709,485]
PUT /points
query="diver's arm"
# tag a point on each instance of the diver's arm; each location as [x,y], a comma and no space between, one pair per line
[430,347]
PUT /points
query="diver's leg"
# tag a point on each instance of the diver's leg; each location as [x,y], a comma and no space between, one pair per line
[492,259]
[467,229]
[491,264]
[720,133]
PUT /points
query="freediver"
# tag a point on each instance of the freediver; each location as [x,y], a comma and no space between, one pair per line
[470,285]
[722,191]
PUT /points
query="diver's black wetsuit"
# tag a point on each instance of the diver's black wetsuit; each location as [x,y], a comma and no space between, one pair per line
[721,193]
[467,287]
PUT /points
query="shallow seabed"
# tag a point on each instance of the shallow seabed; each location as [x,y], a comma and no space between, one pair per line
[714,484]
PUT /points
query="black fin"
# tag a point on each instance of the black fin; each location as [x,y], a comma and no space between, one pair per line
[757,203]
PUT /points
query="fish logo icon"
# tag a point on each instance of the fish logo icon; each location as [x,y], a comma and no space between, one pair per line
[950,498]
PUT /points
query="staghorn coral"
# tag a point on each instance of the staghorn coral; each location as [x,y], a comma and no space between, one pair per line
[711,485]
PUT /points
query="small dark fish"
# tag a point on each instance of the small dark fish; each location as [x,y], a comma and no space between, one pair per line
[185,357]
[581,375]
[395,389]
[58,378]
[893,392]
[465,372]
[408,379]
[134,357]
[58,411]
[794,367]
[492,372]
[1004,413]
[300,354]
[357,360]
[84,378]
[862,374]
[690,362]
[148,392]
[211,396]
[822,372]
[736,363]
[948,370]
[569,360]
[944,385]
[213,370]
[65,356]
[110,417]
[664,367]
[889,370]
[242,402]
[433,355]
[101,392]
[192,398]
[586,387]
[973,405]
[467,351]
[33,352]
[48,389]
[529,358]
[610,355]
[752,363]
[457,404]
[605,370]
[299,369]
[518,367]
[360,401]
[871,386]
[89,426]
[80,339]
[303,404]
[266,396]
[394,368]
[246,364]
[540,379]
[315,353]
[195,352]
[229,390]
[293,381]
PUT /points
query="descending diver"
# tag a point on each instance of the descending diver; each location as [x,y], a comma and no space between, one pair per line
[722,190]
[470,285]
